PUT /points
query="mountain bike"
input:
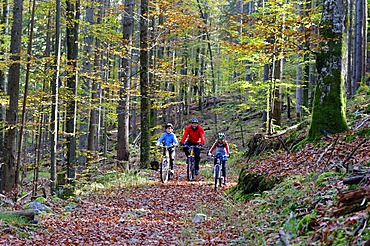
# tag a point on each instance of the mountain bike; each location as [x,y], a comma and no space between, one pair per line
[217,169]
[190,162]
[165,164]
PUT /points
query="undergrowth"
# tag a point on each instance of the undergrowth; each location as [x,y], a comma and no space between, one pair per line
[300,207]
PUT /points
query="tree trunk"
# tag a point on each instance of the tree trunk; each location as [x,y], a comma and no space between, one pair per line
[25,94]
[144,86]
[54,108]
[8,179]
[86,84]
[123,148]
[73,15]
[92,142]
[3,20]
[329,110]
[360,45]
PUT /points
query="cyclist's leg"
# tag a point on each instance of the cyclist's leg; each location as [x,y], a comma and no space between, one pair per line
[186,149]
[214,163]
[224,171]
[196,159]
[172,158]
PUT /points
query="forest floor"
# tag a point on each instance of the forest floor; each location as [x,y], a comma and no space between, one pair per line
[147,214]
[299,211]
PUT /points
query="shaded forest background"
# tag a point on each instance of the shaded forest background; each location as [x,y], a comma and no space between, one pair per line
[86,83]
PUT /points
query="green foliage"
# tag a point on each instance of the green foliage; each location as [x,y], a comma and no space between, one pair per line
[322,178]
[364,132]
[41,199]
[114,179]
[303,224]
[18,225]
[250,183]
[13,219]
[65,191]
[291,226]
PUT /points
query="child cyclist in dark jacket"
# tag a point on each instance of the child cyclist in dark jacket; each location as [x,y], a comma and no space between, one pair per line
[222,148]
[169,139]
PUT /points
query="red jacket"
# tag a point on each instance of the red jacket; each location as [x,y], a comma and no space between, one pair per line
[194,136]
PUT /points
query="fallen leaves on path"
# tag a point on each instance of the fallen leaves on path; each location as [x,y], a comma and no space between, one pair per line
[156,214]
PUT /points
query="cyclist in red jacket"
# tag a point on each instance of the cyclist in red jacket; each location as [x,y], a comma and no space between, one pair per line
[193,136]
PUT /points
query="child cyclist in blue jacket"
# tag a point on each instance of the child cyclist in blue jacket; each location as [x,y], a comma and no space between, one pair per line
[169,139]
[222,148]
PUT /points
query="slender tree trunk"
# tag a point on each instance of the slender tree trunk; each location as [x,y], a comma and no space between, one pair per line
[55,93]
[299,90]
[8,179]
[360,45]
[86,84]
[350,77]
[73,15]
[3,20]
[92,140]
[123,148]
[24,105]
[144,86]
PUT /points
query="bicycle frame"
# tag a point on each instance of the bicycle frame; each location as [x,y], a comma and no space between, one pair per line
[190,167]
[217,169]
[165,164]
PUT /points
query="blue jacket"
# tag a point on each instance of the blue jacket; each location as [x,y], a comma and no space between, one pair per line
[167,139]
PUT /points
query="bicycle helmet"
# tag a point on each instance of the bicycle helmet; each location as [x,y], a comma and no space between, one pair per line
[194,120]
[169,125]
[221,135]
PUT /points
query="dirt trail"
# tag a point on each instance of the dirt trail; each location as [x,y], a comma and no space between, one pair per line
[158,214]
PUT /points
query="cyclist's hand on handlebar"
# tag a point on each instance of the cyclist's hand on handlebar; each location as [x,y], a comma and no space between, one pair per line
[201,145]
[209,153]
[181,144]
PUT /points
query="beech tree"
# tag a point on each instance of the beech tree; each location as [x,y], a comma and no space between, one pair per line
[144,86]
[8,170]
[55,101]
[123,148]
[73,15]
[329,108]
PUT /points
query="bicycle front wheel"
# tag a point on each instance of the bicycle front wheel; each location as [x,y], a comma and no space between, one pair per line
[190,169]
[165,169]
[217,176]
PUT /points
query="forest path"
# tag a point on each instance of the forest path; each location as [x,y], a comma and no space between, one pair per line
[155,214]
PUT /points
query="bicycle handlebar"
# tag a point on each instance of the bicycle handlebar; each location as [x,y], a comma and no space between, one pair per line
[220,156]
[193,146]
[169,147]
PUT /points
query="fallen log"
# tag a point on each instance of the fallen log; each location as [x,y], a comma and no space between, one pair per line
[352,201]
[355,179]
[353,197]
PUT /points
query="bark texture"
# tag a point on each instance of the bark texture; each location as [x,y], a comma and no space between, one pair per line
[330,103]
[8,169]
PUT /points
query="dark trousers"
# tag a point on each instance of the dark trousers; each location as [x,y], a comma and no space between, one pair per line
[196,153]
